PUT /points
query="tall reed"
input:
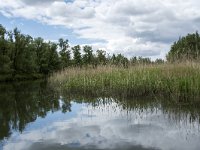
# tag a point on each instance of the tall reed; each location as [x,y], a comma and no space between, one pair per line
[181,81]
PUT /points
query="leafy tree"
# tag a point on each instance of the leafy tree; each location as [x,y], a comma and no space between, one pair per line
[39,46]
[28,57]
[46,56]
[101,57]
[5,61]
[24,54]
[21,54]
[119,60]
[21,42]
[186,48]
[54,63]
[77,55]
[88,55]
[64,53]
[50,58]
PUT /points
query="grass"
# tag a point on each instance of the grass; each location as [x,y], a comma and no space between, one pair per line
[179,81]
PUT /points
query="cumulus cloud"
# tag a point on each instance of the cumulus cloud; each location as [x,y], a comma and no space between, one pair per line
[135,27]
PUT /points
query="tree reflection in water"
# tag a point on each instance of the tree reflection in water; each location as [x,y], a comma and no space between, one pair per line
[22,103]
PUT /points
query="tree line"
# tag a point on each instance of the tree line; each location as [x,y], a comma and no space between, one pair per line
[23,54]
[20,53]
[186,48]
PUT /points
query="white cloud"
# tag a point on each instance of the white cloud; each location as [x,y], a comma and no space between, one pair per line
[135,27]
[109,126]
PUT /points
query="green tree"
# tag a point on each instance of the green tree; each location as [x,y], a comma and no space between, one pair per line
[5,62]
[28,57]
[40,53]
[23,54]
[46,56]
[54,63]
[77,55]
[49,59]
[101,57]
[65,53]
[186,48]
[88,55]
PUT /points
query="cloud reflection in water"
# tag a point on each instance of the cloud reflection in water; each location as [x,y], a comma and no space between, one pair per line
[108,126]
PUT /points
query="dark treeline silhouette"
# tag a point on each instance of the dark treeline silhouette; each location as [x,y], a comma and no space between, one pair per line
[21,54]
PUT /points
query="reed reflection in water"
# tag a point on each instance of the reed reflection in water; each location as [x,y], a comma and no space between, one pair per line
[34,116]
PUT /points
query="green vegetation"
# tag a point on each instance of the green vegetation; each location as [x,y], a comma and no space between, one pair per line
[186,48]
[23,57]
[180,81]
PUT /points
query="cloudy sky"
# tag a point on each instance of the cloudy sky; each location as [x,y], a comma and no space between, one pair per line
[131,27]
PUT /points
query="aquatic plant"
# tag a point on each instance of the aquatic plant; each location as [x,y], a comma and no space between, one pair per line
[181,81]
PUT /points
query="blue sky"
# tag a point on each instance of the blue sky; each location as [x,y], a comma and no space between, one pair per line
[38,29]
[131,27]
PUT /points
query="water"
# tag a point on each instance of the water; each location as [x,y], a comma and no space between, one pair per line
[35,117]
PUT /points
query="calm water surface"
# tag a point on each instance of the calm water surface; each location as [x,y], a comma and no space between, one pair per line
[34,117]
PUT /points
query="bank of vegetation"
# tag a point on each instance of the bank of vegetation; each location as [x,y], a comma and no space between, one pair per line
[178,78]
[180,81]
[81,69]
[24,57]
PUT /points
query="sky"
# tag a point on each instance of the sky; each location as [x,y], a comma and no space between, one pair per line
[132,27]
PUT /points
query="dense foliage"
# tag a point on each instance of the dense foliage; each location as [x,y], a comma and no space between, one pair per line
[21,54]
[186,48]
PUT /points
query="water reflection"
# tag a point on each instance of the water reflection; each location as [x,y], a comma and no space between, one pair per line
[21,103]
[45,120]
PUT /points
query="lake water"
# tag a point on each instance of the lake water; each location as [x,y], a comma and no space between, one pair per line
[35,117]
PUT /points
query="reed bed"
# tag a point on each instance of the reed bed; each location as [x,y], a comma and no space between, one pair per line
[181,81]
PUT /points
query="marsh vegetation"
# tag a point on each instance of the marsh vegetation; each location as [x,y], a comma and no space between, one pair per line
[178,81]
[92,97]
